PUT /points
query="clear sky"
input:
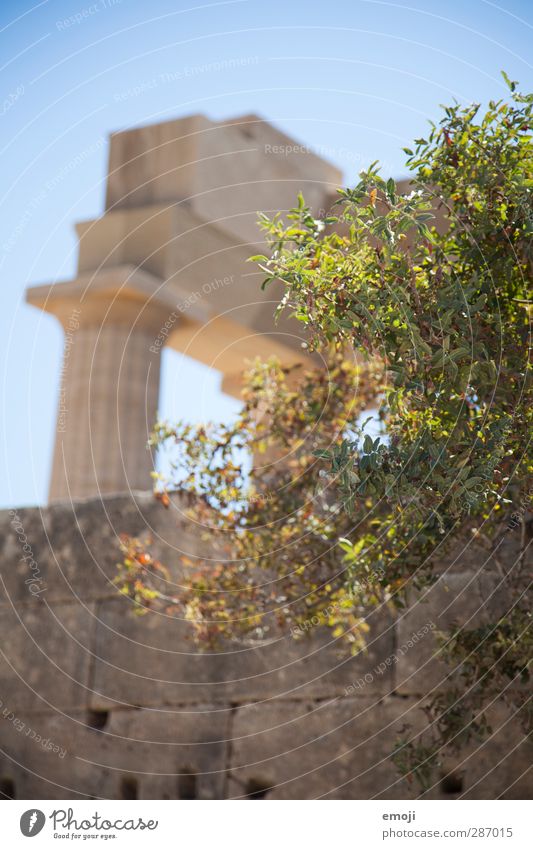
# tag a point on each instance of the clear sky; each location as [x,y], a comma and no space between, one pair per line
[356,77]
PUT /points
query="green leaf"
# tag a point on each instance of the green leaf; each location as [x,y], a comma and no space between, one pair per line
[322,454]
[511,83]
[472,482]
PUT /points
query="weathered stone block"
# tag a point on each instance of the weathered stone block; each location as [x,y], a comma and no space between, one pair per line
[152,660]
[454,598]
[342,749]
[498,767]
[335,750]
[139,754]
[72,548]
[46,655]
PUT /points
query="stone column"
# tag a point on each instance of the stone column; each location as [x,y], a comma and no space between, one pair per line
[109,387]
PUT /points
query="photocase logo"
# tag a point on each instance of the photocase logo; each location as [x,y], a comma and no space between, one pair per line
[32,822]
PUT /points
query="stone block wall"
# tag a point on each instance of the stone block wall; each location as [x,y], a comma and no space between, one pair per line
[98,702]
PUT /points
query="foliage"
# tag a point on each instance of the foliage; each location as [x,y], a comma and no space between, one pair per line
[277,525]
[421,300]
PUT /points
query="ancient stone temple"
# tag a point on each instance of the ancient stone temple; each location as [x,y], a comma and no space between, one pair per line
[97,702]
[167,264]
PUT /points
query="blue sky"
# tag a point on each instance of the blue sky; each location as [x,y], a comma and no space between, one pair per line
[358,77]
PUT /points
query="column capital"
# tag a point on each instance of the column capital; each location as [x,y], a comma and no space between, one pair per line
[119,295]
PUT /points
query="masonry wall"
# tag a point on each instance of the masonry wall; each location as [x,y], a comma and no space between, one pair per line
[98,702]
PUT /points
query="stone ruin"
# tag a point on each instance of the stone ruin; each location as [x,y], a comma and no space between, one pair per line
[96,702]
